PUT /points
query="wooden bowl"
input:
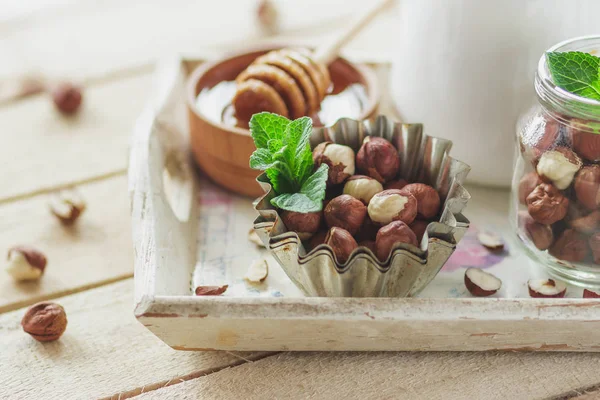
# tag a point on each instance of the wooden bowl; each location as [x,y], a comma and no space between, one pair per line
[223,151]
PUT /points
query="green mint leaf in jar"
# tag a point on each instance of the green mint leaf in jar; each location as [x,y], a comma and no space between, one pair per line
[576,72]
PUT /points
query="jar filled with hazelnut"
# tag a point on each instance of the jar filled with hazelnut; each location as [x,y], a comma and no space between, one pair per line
[555,202]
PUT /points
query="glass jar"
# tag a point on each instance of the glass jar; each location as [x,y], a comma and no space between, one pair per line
[555,201]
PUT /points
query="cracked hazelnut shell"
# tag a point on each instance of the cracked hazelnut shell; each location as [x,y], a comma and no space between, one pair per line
[389,235]
[345,212]
[45,321]
[587,186]
[341,242]
[378,159]
[546,204]
[571,246]
[393,205]
[428,199]
[304,224]
[67,206]
[527,183]
[339,158]
[25,263]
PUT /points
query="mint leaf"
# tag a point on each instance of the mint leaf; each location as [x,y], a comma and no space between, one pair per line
[576,72]
[283,152]
[310,198]
[265,126]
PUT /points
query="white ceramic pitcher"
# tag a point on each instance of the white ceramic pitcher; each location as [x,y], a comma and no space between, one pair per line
[465,68]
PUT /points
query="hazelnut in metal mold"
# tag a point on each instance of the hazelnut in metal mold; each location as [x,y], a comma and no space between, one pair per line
[378,159]
[428,199]
[393,205]
[345,212]
[341,242]
[339,158]
[362,187]
[389,235]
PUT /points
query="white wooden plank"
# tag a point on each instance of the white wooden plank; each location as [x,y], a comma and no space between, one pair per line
[43,149]
[103,351]
[428,376]
[95,251]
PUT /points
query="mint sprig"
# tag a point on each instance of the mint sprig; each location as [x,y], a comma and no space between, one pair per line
[283,152]
[576,72]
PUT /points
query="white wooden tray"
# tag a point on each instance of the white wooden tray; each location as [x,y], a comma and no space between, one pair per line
[169,243]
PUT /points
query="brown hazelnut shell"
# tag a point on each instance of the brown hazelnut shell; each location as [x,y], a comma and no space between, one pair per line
[336,174]
[546,204]
[341,242]
[45,321]
[540,235]
[428,199]
[419,227]
[304,224]
[378,159]
[527,183]
[389,235]
[587,186]
[570,246]
[67,98]
[345,212]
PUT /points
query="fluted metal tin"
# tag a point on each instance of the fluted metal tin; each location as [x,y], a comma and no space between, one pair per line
[409,269]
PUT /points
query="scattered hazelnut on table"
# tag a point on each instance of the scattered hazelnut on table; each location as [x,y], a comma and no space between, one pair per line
[362,187]
[428,199]
[25,263]
[339,158]
[67,98]
[590,294]
[345,212]
[393,205]
[342,243]
[585,138]
[257,271]
[546,288]
[389,235]
[395,184]
[570,245]
[378,159]
[528,182]
[45,321]
[587,186]
[546,204]
[210,290]
[540,235]
[481,283]
[594,242]
[419,227]
[558,166]
[490,241]
[304,224]
[67,206]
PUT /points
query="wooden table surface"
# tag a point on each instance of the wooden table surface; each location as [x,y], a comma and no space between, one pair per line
[105,353]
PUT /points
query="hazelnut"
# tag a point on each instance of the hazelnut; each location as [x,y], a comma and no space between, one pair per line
[540,235]
[369,244]
[558,166]
[67,206]
[491,241]
[546,288]
[528,182]
[393,205]
[590,294]
[345,212]
[587,186]
[428,199]
[419,227]
[586,224]
[339,158]
[546,204]
[67,98]
[362,187]
[304,224]
[210,290]
[481,283]
[594,242]
[341,242]
[396,184]
[570,245]
[45,321]
[389,235]
[25,263]
[585,138]
[378,158]
[257,271]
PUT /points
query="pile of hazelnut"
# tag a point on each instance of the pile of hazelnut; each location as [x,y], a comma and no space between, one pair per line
[374,208]
[562,193]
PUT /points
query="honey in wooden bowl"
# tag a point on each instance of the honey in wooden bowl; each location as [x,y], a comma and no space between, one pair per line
[222,144]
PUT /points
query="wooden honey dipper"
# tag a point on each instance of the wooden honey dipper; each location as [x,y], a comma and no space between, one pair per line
[293,82]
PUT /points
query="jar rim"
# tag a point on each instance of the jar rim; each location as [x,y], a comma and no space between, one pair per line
[560,98]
